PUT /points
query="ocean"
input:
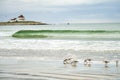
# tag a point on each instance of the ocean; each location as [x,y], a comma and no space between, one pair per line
[42,58]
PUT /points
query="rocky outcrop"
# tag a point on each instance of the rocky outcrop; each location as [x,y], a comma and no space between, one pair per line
[23,23]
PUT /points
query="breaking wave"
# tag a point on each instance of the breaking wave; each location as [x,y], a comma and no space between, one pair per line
[68,34]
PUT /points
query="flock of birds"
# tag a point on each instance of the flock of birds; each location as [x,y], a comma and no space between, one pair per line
[87,62]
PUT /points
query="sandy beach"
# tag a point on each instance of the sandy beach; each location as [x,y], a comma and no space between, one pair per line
[18,68]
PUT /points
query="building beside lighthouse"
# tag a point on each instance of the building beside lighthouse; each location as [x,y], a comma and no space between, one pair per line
[13,20]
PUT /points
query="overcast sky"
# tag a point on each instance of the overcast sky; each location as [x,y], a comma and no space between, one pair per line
[62,11]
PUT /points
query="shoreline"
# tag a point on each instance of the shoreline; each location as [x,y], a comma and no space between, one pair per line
[23,23]
[55,70]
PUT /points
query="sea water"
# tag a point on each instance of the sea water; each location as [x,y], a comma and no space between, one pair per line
[41,58]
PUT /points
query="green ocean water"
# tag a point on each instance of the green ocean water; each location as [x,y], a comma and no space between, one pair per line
[69,34]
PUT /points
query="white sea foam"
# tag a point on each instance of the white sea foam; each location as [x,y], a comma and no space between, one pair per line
[59,44]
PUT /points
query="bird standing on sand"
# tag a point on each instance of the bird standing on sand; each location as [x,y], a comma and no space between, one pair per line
[87,61]
[117,61]
[71,61]
[106,63]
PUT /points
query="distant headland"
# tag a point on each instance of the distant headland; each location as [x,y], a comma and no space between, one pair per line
[20,20]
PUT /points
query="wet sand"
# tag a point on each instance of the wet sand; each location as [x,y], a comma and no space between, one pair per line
[36,69]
